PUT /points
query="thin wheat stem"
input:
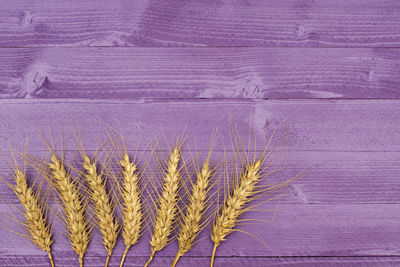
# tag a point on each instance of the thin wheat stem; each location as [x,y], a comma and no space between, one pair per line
[150,258]
[124,255]
[50,258]
[177,257]
[213,255]
[81,260]
[108,259]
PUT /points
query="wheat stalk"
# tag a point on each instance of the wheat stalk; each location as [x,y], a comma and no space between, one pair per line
[190,227]
[107,224]
[234,205]
[74,209]
[167,205]
[39,231]
[132,210]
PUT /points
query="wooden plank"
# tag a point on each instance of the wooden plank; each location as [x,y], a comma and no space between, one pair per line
[341,23]
[312,234]
[128,73]
[337,177]
[324,125]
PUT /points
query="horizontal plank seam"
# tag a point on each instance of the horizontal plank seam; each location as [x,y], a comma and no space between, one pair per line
[205,47]
[227,150]
[203,98]
[180,100]
[233,256]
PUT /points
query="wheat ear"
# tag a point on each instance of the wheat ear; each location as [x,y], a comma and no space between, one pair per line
[191,226]
[36,224]
[167,205]
[234,205]
[73,207]
[132,207]
[107,224]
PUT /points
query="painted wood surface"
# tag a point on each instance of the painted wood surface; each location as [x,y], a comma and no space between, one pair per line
[129,73]
[324,125]
[333,66]
[343,23]
[344,212]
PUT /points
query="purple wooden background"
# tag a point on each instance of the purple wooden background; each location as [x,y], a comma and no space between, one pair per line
[192,64]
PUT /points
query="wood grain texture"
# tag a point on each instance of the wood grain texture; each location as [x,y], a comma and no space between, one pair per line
[324,125]
[128,73]
[353,163]
[154,68]
[343,23]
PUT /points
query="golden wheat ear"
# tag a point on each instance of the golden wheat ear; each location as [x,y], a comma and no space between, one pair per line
[132,212]
[166,210]
[74,214]
[103,208]
[193,220]
[67,194]
[234,204]
[131,204]
[36,225]
[245,189]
